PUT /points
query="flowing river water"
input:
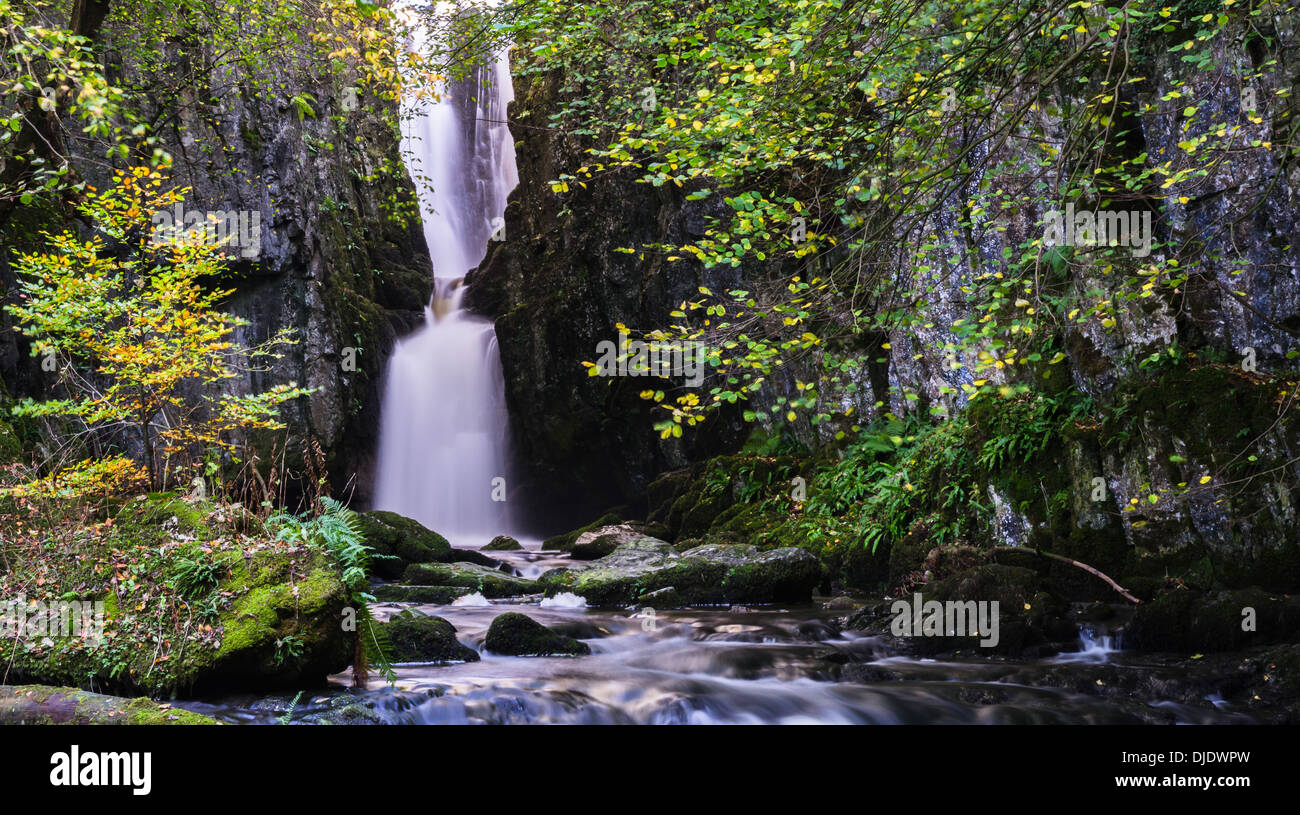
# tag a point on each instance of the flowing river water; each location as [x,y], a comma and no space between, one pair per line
[759,665]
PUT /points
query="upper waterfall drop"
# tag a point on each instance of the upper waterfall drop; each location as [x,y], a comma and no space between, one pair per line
[443,450]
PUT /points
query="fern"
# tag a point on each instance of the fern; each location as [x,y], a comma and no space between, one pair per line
[336,530]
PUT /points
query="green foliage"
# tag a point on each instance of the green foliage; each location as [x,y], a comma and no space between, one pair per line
[194,572]
[137,338]
[877,149]
[336,530]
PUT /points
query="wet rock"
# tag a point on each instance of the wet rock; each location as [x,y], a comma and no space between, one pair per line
[433,595]
[580,630]
[564,542]
[503,543]
[600,542]
[842,603]
[42,704]
[489,582]
[417,637]
[714,573]
[774,576]
[667,597]
[399,542]
[473,556]
[514,634]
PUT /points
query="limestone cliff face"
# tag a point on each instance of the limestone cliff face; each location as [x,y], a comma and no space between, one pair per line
[557,287]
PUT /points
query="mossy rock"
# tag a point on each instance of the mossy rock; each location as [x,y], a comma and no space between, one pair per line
[514,634]
[417,637]
[278,633]
[1187,621]
[162,518]
[43,704]
[470,556]
[503,543]
[278,617]
[638,566]
[11,447]
[430,595]
[563,543]
[711,573]
[786,575]
[399,542]
[600,542]
[490,582]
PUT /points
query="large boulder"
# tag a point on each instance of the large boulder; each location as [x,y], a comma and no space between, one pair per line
[399,542]
[416,637]
[42,704]
[640,565]
[514,634]
[489,582]
[503,543]
[599,542]
[192,604]
[754,576]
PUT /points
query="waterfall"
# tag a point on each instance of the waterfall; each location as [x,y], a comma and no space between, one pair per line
[442,452]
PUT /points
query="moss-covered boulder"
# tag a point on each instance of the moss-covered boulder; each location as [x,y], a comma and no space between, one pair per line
[432,595]
[564,542]
[43,704]
[400,541]
[1184,620]
[489,582]
[712,573]
[514,634]
[470,556]
[598,543]
[192,603]
[773,576]
[635,568]
[503,543]
[417,637]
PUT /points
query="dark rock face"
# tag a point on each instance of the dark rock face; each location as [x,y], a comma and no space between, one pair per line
[557,288]
[417,637]
[519,635]
[1184,620]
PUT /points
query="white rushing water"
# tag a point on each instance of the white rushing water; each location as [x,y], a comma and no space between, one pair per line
[442,453]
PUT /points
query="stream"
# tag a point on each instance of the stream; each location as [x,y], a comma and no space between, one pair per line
[759,665]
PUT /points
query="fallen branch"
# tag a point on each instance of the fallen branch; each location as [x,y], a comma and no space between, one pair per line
[1117,587]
